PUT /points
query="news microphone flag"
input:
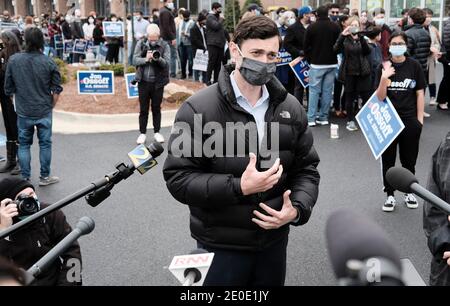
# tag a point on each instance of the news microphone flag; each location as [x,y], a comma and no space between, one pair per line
[142,159]
[183,263]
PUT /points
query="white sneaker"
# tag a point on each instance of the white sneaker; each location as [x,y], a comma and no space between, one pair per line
[426,115]
[411,201]
[389,204]
[311,123]
[443,106]
[433,102]
[322,122]
[159,138]
[141,139]
[351,126]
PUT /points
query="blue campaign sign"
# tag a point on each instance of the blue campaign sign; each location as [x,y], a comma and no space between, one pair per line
[113,29]
[132,89]
[68,46]
[95,82]
[103,50]
[284,57]
[80,46]
[301,70]
[380,124]
[59,45]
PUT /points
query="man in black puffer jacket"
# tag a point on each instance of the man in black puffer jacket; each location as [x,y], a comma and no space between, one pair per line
[225,191]
[419,40]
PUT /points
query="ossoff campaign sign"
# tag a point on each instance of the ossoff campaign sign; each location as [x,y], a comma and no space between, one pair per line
[380,124]
[95,82]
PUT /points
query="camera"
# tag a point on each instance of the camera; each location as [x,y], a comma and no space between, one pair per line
[26,205]
[156,55]
[354,30]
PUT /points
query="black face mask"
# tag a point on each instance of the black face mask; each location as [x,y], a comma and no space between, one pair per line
[256,73]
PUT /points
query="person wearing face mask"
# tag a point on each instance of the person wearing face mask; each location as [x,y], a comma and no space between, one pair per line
[184,43]
[365,21]
[254,9]
[114,44]
[402,80]
[432,59]
[215,38]
[380,21]
[140,31]
[169,33]
[88,28]
[242,205]
[198,41]
[355,68]
[293,42]
[29,244]
[151,57]
[333,11]
[284,72]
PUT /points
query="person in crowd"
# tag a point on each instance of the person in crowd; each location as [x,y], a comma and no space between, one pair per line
[76,27]
[338,96]
[97,34]
[154,18]
[402,80]
[355,69]
[241,206]
[88,28]
[179,17]
[334,10]
[435,221]
[140,31]
[293,42]
[9,46]
[435,37]
[6,17]
[215,39]
[379,19]
[168,33]
[55,29]
[114,43]
[278,13]
[365,19]
[419,41]
[29,22]
[284,72]
[198,42]
[35,82]
[443,97]
[184,43]
[373,33]
[354,12]
[29,244]
[152,58]
[320,38]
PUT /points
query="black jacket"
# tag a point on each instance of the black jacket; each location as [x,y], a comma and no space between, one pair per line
[355,53]
[197,40]
[419,43]
[320,38]
[220,214]
[66,30]
[435,222]
[446,35]
[215,33]
[31,243]
[293,41]
[77,30]
[158,68]
[167,24]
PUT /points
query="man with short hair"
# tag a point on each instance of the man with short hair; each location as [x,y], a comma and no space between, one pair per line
[242,198]
[215,39]
[379,18]
[169,33]
[140,31]
[320,38]
[334,11]
[35,82]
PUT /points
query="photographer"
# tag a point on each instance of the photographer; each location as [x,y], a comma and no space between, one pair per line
[355,69]
[151,57]
[25,247]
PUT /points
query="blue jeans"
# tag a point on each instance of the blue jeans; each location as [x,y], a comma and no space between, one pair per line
[185,59]
[321,83]
[173,59]
[44,133]
[198,73]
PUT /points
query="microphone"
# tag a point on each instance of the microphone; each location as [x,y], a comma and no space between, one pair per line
[84,226]
[403,180]
[191,270]
[361,252]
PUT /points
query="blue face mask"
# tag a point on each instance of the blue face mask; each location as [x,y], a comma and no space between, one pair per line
[397,50]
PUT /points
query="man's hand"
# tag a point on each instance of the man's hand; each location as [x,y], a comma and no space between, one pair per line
[276,219]
[387,70]
[253,181]
[174,42]
[7,212]
[149,56]
[346,31]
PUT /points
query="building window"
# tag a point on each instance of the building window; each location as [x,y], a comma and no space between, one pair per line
[447,8]
[103,8]
[435,6]
[412,3]
[396,8]
[369,5]
[141,6]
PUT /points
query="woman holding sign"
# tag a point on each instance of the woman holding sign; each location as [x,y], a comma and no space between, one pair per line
[401,79]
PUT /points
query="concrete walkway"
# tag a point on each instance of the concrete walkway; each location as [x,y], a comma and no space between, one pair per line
[78,123]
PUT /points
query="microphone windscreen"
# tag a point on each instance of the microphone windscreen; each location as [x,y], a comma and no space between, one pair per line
[155,149]
[401,179]
[351,235]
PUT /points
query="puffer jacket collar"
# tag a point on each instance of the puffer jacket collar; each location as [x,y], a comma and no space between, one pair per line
[277,93]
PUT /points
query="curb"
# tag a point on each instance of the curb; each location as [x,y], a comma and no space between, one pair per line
[78,123]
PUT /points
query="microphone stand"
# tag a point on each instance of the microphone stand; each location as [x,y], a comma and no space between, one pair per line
[95,193]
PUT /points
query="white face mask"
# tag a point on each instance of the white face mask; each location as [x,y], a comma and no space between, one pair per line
[91,21]
[114,19]
[170,6]
[312,19]
[291,21]
[379,22]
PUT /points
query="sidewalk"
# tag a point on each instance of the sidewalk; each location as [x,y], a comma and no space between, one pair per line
[77,123]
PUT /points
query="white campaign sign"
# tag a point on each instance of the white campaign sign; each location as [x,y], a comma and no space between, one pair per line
[200,60]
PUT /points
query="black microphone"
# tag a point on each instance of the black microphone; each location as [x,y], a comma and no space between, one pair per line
[361,252]
[403,180]
[84,226]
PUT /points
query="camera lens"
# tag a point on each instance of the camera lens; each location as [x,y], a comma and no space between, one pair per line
[156,55]
[27,206]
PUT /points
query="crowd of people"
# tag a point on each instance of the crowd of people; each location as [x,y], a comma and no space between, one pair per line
[352,55]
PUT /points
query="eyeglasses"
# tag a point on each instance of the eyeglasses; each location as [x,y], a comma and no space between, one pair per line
[398,44]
